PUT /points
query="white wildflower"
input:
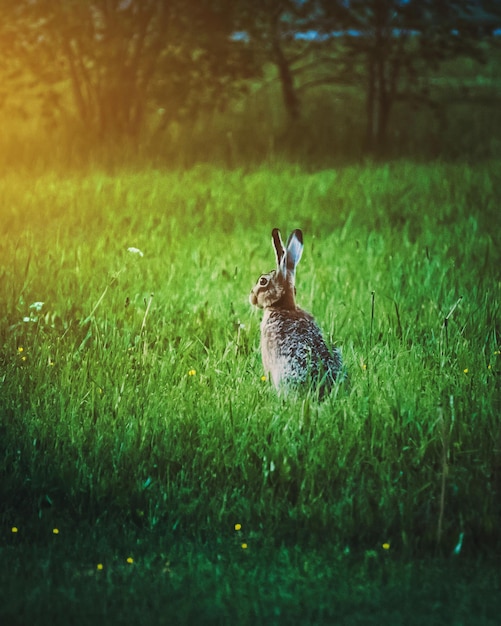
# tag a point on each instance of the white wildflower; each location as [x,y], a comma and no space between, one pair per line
[133,250]
[37,306]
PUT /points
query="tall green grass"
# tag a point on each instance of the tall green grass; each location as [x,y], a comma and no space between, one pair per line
[133,411]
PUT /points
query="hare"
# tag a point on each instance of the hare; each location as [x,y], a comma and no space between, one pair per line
[293,350]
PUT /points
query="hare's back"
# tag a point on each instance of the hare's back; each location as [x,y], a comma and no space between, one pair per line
[293,348]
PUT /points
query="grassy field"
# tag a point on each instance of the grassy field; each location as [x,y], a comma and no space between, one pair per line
[150,475]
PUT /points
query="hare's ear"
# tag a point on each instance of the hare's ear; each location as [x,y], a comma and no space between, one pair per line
[278,245]
[294,250]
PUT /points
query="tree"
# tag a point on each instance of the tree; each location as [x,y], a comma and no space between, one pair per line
[122,56]
[270,25]
[397,43]
[385,46]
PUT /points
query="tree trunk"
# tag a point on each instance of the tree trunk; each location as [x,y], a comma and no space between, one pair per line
[378,107]
[289,95]
[381,85]
[380,88]
[370,106]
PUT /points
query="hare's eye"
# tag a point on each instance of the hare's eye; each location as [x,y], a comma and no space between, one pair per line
[263,281]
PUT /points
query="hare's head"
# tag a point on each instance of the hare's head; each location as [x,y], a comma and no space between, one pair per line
[277,288]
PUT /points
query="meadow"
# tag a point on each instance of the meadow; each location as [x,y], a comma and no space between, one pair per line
[136,424]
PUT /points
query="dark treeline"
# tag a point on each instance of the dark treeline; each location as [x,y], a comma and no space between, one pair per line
[123,59]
